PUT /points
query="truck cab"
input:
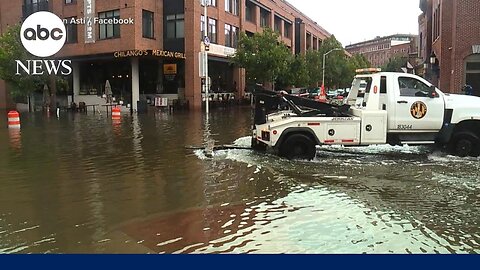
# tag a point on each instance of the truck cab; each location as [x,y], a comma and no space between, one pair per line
[382,107]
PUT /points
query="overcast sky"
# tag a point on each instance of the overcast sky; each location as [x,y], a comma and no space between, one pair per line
[353,21]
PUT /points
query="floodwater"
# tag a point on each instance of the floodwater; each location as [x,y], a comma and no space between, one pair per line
[82,184]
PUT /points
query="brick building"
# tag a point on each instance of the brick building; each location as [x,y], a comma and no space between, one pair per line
[450,43]
[158,54]
[379,50]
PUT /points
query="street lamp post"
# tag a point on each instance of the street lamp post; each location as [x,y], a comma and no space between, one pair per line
[205,39]
[323,75]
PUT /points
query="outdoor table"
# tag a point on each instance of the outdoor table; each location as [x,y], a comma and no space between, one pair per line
[94,106]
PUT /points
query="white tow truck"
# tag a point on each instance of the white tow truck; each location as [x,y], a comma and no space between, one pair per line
[396,108]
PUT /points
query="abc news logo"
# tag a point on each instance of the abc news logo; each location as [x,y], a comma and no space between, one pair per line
[43,34]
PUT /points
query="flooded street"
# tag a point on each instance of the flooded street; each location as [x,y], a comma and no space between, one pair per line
[81,184]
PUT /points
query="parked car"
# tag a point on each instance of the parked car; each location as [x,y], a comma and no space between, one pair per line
[314,93]
[299,92]
[332,93]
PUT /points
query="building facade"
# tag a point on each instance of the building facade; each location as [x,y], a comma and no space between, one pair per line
[380,50]
[158,55]
[450,43]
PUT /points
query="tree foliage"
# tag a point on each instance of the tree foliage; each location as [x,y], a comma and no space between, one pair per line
[295,74]
[23,85]
[314,67]
[395,64]
[263,56]
[11,49]
[265,59]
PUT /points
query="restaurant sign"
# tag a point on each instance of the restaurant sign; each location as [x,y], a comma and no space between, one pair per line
[170,69]
[220,50]
[155,53]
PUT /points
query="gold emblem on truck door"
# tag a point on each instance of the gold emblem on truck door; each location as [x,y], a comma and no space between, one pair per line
[418,110]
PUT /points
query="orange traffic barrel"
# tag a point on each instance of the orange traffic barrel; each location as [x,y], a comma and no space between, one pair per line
[116,113]
[13,119]
[15,138]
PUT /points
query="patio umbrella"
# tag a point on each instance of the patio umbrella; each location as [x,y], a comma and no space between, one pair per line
[108,91]
[46,96]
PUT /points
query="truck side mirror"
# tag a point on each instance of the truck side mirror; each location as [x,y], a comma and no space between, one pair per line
[431,92]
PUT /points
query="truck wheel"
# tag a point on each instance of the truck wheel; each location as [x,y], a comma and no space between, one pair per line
[465,144]
[298,146]
[257,146]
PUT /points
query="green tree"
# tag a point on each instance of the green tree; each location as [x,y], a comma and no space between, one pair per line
[314,67]
[336,65]
[395,64]
[23,85]
[296,73]
[263,56]
[11,49]
[359,61]
[355,62]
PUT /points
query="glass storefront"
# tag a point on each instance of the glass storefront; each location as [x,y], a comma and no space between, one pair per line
[156,76]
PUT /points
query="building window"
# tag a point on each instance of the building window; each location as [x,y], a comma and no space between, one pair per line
[176,26]
[228,35]
[212,30]
[264,18]
[231,6]
[231,36]
[71,28]
[212,3]
[278,25]
[250,11]
[235,32]
[70,2]
[287,31]
[436,23]
[309,41]
[147,24]
[109,30]
[32,6]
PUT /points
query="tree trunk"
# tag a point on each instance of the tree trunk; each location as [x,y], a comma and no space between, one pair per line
[53,93]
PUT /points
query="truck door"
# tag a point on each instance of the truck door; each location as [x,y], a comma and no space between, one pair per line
[414,109]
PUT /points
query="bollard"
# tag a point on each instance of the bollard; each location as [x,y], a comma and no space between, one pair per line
[116,113]
[13,119]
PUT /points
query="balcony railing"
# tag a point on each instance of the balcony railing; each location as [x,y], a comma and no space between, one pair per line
[31,8]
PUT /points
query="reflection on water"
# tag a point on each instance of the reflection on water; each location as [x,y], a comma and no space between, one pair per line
[81,183]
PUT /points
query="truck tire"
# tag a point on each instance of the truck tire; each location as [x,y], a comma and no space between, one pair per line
[298,146]
[257,146]
[465,144]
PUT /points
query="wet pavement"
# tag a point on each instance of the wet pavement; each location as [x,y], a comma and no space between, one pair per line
[82,184]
